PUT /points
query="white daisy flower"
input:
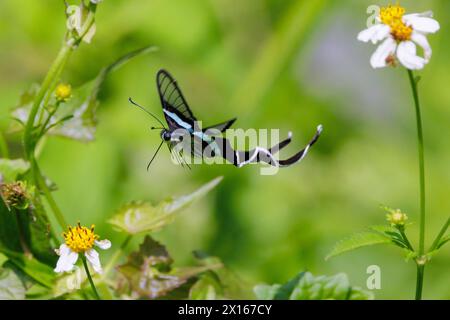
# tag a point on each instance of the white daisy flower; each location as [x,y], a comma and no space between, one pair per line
[80,240]
[400,33]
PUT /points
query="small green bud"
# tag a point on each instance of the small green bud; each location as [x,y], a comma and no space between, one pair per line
[396,217]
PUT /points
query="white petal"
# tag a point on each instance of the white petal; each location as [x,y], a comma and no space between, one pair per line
[67,259]
[375,33]
[421,23]
[422,41]
[427,14]
[406,54]
[103,244]
[94,261]
[378,59]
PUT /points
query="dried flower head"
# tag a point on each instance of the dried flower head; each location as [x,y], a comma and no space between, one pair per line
[15,195]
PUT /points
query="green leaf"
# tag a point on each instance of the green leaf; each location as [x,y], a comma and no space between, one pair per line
[36,228]
[69,283]
[21,111]
[208,287]
[11,287]
[138,217]
[305,286]
[31,221]
[286,290]
[358,240]
[335,287]
[10,169]
[149,274]
[230,284]
[8,229]
[84,103]
[38,271]
[266,292]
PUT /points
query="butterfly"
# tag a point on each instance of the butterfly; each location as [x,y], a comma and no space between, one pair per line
[183,132]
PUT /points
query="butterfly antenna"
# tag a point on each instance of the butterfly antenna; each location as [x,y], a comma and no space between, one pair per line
[153,158]
[146,111]
[183,160]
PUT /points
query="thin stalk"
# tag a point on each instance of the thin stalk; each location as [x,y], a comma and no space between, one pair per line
[97,296]
[40,181]
[440,235]
[47,121]
[53,72]
[405,238]
[420,145]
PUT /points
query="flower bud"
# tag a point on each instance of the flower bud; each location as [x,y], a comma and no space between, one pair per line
[63,92]
[396,217]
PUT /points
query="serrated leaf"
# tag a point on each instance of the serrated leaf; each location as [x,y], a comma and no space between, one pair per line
[10,169]
[11,287]
[141,217]
[358,240]
[149,273]
[335,287]
[305,286]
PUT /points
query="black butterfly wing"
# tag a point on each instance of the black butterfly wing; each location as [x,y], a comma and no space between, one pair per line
[221,126]
[176,110]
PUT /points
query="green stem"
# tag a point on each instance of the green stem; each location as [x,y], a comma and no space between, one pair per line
[4,146]
[419,281]
[420,144]
[405,238]
[440,235]
[116,256]
[53,72]
[97,296]
[40,181]
[47,121]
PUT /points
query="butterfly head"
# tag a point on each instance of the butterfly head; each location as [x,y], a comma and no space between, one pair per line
[165,135]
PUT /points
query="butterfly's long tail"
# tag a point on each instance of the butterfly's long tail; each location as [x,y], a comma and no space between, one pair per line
[302,153]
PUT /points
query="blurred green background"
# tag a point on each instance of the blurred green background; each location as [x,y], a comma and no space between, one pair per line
[273,64]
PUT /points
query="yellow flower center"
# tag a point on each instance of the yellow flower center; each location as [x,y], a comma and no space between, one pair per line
[392,16]
[80,238]
[397,217]
[63,91]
